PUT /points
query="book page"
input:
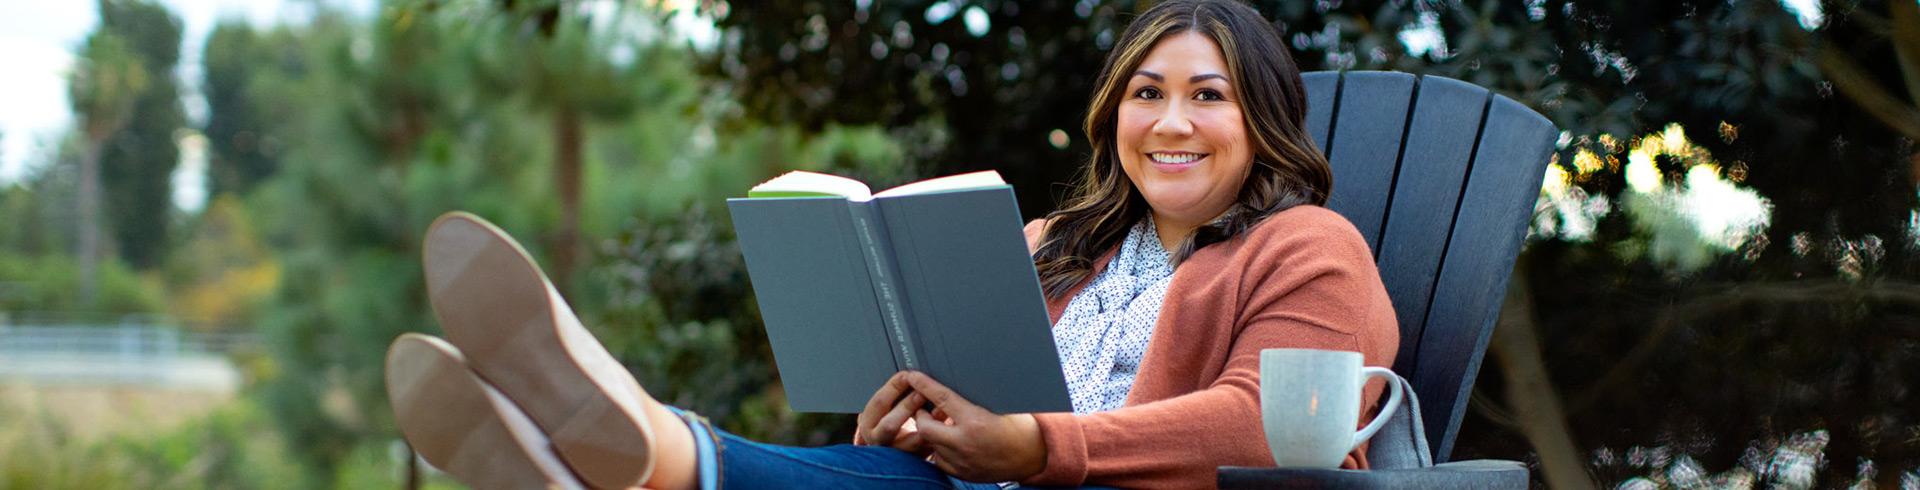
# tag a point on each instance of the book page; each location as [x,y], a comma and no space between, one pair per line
[800,183]
[970,180]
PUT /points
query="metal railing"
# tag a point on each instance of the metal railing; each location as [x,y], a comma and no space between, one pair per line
[137,350]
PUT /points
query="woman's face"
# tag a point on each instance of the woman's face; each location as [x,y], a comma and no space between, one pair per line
[1181,137]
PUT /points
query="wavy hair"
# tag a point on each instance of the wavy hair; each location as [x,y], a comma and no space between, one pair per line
[1287,170]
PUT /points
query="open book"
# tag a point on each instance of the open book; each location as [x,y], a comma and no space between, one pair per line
[932,276]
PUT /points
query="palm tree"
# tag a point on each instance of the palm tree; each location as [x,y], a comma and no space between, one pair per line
[103,88]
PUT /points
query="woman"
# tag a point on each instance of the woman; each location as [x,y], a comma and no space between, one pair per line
[1193,240]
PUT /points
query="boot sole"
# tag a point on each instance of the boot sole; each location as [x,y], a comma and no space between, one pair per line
[464,427]
[519,335]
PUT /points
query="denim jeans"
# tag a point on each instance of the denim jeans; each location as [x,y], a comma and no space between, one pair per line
[730,462]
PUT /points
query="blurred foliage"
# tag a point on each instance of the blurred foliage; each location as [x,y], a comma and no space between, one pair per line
[47,282]
[241,153]
[560,63]
[137,160]
[223,271]
[45,196]
[39,271]
[964,98]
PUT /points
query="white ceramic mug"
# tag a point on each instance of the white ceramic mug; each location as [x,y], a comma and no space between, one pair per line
[1310,404]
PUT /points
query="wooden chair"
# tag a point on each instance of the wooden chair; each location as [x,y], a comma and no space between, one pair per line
[1441,177]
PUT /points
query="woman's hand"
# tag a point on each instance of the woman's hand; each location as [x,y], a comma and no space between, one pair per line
[888,421]
[970,442]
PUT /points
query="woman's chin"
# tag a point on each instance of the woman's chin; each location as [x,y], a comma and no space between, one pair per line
[1183,209]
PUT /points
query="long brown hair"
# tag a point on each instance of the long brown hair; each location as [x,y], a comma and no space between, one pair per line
[1287,171]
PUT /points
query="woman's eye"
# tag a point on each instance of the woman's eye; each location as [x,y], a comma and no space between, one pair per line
[1147,93]
[1208,95]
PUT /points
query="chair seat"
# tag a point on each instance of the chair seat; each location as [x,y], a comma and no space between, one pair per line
[1473,474]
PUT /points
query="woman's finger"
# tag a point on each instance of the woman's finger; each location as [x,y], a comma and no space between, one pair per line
[937,431]
[878,406]
[911,441]
[897,418]
[889,392]
[878,434]
[943,398]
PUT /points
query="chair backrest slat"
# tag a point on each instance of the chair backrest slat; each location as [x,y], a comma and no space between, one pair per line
[1368,129]
[1441,177]
[1420,215]
[1323,92]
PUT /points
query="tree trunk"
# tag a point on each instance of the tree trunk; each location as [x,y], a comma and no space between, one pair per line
[89,207]
[566,179]
[1530,394]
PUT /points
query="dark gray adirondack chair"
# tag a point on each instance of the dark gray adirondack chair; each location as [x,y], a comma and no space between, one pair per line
[1441,177]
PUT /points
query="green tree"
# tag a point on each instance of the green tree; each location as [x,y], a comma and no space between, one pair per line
[137,161]
[373,107]
[965,86]
[559,61]
[48,194]
[243,148]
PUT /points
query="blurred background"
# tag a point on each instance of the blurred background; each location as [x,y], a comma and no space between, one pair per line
[210,210]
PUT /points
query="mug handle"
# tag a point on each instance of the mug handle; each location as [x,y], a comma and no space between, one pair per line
[1393,403]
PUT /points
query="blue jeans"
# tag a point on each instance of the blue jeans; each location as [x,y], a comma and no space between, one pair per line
[730,462]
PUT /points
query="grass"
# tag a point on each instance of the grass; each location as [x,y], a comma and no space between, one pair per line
[234,445]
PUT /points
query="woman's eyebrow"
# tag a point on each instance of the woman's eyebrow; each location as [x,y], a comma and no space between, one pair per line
[1194,79]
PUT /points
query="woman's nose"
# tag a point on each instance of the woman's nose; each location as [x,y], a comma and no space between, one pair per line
[1173,121]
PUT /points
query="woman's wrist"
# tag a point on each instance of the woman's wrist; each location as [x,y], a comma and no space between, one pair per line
[1034,453]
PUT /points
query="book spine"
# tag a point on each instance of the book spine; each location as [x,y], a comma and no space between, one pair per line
[885,273]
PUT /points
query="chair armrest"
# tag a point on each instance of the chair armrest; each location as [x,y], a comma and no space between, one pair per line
[1474,474]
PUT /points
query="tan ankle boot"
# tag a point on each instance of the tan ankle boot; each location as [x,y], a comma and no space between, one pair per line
[463,426]
[519,335]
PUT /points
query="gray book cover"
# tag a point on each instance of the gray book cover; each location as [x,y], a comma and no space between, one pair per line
[852,292]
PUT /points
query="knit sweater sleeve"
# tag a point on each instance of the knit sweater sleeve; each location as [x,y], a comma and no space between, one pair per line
[1303,279]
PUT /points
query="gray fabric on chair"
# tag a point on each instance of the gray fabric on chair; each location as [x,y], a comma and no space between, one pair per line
[1402,443]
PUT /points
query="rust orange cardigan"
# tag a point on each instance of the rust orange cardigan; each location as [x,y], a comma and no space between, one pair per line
[1302,278]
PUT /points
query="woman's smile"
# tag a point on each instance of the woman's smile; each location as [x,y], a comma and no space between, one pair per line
[1177,161]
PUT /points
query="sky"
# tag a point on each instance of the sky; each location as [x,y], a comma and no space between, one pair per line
[37,40]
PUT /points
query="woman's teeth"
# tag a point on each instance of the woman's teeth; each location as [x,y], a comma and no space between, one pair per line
[1171,158]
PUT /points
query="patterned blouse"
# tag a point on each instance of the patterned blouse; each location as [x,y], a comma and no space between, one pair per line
[1104,331]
